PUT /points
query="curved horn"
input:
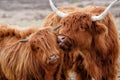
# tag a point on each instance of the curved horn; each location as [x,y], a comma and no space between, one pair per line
[56,27]
[59,13]
[102,15]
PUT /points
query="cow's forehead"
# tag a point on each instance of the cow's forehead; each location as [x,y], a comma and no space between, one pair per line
[77,18]
[77,15]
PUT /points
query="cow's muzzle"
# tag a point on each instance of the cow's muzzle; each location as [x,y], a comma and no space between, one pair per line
[64,42]
[53,59]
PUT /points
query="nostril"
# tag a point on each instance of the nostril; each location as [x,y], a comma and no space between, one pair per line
[52,57]
[61,38]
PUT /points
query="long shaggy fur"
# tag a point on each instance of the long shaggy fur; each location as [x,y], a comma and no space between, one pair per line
[54,20]
[97,41]
[72,57]
[28,60]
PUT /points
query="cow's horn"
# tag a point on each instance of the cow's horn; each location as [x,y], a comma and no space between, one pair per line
[59,13]
[55,28]
[23,40]
[102,15]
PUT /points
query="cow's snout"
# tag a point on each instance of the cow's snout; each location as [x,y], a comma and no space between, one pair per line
[64,42]
[61,38]
[53,59]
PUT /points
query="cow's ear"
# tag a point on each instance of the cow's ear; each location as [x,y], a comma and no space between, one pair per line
[100,28]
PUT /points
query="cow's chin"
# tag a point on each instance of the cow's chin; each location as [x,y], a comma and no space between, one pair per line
[64,42]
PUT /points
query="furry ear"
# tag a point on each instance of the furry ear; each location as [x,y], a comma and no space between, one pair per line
[100,28]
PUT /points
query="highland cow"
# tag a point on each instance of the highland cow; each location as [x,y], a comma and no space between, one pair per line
[72,58]
[93,32]
[31,54]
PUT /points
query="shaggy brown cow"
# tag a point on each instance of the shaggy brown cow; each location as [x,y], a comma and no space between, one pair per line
[72,57]
[35,58]
[92,30]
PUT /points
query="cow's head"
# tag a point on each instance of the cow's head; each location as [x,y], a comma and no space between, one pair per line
[93,32]
[80,27]
[44,46]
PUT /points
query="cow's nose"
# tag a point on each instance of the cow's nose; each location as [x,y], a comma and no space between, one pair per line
[53,59]
[61,38]
[64,42]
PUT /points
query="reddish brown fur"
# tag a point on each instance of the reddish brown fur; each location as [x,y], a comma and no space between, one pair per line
[72,57]
[28,60]
[97,41]
[53,20]
[73,63]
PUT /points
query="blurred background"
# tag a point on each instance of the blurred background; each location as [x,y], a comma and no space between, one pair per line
[25,13]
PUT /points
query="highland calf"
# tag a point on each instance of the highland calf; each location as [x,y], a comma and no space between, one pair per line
[92,31]
[35,58]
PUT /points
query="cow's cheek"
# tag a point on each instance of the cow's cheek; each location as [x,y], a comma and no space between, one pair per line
[42,58]
[84,41]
